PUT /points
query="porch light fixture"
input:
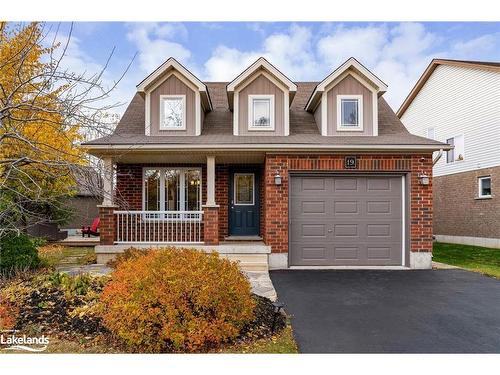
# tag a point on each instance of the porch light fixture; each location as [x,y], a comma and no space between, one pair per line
[424,179]
[277,179]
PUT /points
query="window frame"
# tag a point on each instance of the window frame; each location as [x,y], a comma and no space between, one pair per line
[235,175]
[479,187]
[162,125]
[182,190]
[251,126]
[340,126]
[453,151]
[429,130]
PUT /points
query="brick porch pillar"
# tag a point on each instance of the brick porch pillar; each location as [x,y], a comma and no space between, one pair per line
[107,224]
[211,224]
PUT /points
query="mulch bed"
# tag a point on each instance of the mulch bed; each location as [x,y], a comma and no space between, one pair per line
[47,310]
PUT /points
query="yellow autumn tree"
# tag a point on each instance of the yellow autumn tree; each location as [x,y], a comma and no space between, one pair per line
[40,126]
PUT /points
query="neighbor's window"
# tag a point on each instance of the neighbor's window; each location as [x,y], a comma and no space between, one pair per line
[484,187]
[168,189]
[261,112]
[349,112]
[458,152]
[172,112]
[430,133]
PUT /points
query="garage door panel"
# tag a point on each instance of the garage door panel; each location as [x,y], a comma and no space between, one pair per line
[358,223]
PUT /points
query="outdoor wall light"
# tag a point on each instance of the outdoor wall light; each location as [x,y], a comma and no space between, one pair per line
[424,179]
[277,179]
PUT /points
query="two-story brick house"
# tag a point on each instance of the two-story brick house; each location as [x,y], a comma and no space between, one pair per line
[458,102]
[269,171]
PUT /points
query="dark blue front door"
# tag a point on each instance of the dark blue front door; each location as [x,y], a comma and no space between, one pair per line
[244,215]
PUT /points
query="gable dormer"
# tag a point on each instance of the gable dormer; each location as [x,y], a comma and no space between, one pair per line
[175,101]
[346,102]
[260,99]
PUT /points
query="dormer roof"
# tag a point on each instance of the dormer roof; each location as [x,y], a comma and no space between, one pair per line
[173,65]
[260,64]
[350,64]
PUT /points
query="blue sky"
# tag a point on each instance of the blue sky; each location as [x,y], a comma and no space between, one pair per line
[397,52]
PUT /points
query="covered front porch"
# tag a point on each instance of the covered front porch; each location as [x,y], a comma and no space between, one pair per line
[208,201]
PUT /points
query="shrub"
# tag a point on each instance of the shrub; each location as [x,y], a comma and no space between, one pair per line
[130,253]
[17,252]
[50,255]
[177,300]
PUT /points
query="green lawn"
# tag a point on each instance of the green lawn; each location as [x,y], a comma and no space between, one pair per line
[473,258]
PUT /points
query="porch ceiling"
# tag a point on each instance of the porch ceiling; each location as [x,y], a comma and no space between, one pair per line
[137,156]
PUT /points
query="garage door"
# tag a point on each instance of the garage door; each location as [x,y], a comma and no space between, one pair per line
[346,221]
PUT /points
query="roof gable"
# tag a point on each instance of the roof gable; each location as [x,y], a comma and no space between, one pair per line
[492,66]
[261,63]
[161,73]
[353,67]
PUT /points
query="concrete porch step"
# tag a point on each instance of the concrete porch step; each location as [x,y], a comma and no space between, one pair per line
[242,238]
[249,262]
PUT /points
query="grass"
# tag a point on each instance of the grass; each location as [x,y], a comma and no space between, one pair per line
[281,343]
[55,255]
[474,258]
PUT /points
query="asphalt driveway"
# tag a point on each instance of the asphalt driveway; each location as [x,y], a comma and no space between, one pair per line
[428,311]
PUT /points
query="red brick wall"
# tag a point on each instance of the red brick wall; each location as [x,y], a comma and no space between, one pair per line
[276,197]
[222,198]
[107,225]
[457,209]
[211,225]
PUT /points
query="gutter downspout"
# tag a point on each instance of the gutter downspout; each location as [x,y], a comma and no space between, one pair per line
[438,156]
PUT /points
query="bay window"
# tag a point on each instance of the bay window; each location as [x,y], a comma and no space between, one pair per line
[171,189]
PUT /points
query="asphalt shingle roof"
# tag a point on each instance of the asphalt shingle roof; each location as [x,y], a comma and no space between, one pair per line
[218,126]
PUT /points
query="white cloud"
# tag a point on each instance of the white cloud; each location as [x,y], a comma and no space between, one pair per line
[363,43]
[476,48]
[154,44]
[291,52]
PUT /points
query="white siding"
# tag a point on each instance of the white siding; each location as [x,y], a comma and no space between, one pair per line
[456,101]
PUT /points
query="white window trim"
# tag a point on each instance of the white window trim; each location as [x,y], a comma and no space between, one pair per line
[359,127]
[479,186]
[182,188]
[454,150]
[253,189]
[250,113]
[162,125]
[428,130]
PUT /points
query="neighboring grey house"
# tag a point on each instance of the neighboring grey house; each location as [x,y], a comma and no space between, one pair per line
[458,102]
[83,205]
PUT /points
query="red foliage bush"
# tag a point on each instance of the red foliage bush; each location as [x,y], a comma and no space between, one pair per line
[176,300]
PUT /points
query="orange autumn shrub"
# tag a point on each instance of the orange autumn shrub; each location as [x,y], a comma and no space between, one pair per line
[173,300]
[8,315]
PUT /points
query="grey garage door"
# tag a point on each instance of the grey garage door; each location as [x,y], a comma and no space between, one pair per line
[346,220]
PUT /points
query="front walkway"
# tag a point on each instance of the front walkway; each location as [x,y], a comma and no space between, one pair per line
[260,281]
[424,311]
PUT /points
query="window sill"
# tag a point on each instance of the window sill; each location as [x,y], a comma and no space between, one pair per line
[349,129]
[253,129]
[483,198]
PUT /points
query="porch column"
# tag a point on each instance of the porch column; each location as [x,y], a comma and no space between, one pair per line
[210,208]
[107,224]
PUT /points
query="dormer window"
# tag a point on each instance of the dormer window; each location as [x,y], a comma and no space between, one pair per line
[261,112]
[349,112]
[172,112]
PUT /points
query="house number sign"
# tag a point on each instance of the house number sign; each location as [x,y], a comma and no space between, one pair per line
[350,162]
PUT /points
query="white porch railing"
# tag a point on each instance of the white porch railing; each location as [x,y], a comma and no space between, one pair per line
[152,227]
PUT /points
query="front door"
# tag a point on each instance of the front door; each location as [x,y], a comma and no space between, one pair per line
[244,203]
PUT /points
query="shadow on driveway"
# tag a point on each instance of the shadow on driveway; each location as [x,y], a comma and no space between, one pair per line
[364,311]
